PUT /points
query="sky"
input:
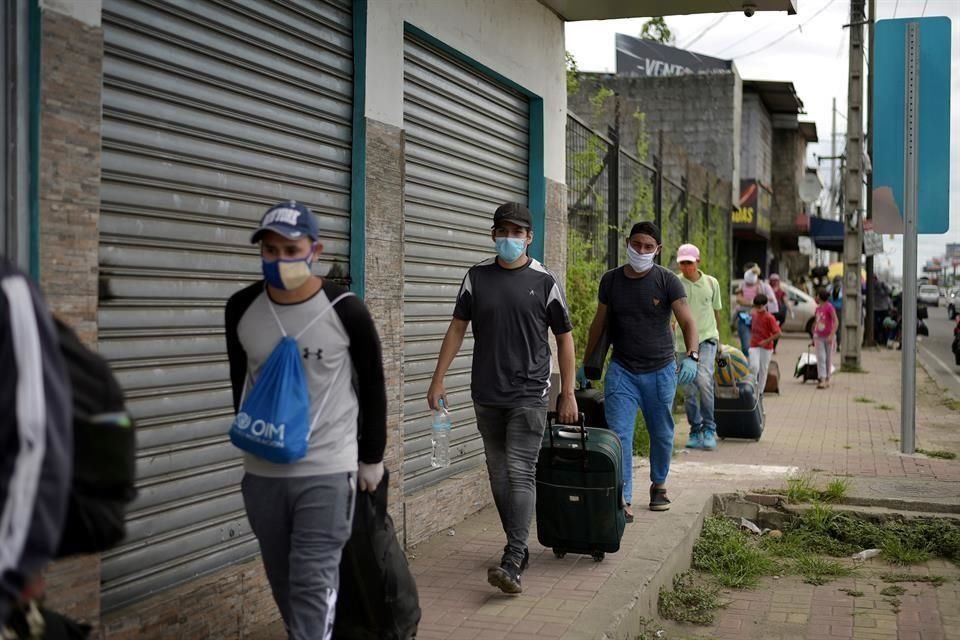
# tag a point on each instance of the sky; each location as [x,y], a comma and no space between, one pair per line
[809,49]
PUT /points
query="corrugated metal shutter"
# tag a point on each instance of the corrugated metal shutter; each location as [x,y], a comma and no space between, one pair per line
[213,110]
[466,153]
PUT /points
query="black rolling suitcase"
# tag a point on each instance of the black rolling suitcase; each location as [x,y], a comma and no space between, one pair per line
[590,403]
[580,490]
[738,412]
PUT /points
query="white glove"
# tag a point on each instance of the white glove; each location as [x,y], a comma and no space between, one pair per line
[369,476]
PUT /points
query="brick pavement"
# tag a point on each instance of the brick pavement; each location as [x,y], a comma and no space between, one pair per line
[823,431]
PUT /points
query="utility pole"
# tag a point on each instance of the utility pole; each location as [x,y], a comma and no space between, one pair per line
[853,194]
[834,191]
[870,339]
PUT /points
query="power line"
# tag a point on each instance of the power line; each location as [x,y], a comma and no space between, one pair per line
[924,7]
[707,30]
[787,34]
[895,8]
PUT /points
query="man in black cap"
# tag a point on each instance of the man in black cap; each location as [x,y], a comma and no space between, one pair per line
[301,511]
[635,305]
[512,300]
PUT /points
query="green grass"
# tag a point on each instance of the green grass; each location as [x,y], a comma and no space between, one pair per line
[853,593]
[836,489]
[641,438]
[938,453]
[936,581]
[818,518]
[800,489]
[887,407]
[897,551]
[893,591]
[952,404]
[863,400]
[688,601]
[724,551]
[816,570]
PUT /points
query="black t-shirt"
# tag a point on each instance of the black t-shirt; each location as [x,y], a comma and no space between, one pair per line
[638,317]
[510,310]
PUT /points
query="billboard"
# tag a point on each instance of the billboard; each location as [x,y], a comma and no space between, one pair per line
[639,57]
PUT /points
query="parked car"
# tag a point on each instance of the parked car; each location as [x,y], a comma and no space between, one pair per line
[953,297]
[801,307]
[929,295]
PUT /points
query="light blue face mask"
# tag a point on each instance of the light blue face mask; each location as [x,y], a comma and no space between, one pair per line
[510,249]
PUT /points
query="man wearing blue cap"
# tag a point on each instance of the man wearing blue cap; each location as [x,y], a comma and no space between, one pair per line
[301,512]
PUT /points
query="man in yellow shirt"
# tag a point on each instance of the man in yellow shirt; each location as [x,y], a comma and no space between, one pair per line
[705,302]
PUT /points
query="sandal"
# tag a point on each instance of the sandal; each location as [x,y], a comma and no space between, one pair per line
[627,514]
[658,498]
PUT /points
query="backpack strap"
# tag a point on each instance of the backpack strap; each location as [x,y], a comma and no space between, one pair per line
[312,322]
[333,303]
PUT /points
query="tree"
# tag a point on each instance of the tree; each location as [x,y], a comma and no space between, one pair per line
[657,29]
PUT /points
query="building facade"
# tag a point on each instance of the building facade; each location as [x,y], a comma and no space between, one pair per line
[146,141]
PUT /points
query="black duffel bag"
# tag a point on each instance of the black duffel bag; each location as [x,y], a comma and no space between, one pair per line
[378,597]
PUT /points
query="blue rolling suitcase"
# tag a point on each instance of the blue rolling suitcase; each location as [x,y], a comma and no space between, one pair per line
[579,490]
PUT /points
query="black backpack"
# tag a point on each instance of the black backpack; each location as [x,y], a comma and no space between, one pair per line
[104,452]
[378,597]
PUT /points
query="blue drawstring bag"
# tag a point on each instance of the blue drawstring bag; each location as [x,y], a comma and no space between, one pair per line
[274,418]
[745,318]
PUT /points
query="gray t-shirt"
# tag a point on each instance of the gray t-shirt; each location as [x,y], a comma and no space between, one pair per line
[510,310]
[638,317]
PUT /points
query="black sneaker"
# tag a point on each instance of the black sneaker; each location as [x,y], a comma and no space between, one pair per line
[506,577]
[658,499]
[523,563]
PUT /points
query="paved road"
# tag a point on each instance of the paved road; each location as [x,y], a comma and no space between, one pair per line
[935,354]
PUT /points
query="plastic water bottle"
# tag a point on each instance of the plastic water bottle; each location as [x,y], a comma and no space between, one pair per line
[440,455]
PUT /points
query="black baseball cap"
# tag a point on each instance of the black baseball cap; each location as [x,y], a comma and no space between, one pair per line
[293,220]
[513,212]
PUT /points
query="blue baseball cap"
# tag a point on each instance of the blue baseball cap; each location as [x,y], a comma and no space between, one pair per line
[293,220]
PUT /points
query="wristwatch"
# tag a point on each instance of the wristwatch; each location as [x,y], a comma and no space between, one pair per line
[694,355]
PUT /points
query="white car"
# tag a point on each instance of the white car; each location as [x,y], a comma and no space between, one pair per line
[929,295]
[801,307]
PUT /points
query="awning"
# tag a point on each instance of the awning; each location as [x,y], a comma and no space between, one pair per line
[826,234]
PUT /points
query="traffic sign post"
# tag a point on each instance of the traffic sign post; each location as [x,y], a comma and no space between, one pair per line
[911,178]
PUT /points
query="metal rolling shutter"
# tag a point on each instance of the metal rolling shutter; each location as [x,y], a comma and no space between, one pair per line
[466,153]
[213,110]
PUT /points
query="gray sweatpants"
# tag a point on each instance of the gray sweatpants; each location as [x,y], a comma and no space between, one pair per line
[511,442]
[302,525]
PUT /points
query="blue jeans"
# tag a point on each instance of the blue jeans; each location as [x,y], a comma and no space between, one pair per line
[743,331]
[652,393]
[698,395]
[511,442]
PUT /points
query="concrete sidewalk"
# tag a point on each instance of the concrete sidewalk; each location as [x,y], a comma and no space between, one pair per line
[850,429]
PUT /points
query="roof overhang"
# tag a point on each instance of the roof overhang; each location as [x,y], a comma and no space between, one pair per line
[809,131]
[777,97]
[574,10]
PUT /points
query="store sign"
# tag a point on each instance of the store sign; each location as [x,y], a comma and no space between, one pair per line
[640,57]
[753,212]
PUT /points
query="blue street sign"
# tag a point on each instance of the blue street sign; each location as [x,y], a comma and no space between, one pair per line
[889,117]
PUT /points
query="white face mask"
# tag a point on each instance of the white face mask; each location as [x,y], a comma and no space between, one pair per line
[640,262]
[750,278]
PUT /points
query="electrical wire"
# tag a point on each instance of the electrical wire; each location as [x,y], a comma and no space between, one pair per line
[895,8]
[924,7]
[705,31]
[787,34]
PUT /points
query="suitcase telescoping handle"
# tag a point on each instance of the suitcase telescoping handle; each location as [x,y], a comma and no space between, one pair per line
[567,432]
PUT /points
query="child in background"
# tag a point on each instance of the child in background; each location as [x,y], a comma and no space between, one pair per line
[825,326]
[764,331]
